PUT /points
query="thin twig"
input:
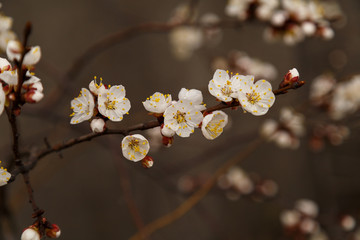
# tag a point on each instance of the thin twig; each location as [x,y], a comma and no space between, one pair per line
[142,126]
[195,198]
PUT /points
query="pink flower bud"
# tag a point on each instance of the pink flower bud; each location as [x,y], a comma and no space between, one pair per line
[33,96]
[167,141]
[31,233]
[147,162]
[292,76]
[53,232]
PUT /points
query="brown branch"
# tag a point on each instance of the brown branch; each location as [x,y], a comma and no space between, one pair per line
[195,198]
[12,113]
[142,126]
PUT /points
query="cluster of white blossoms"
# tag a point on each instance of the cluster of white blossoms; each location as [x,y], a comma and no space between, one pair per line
[254,97]
[299,19]
[339,99]
[321,88]
[236,182]
[262,9]
[285,132]
[100,103]
[242,63]
[302,219]
[32,89]
[6,34]
[346,98]
[291,20]
[4,176]
[183,116]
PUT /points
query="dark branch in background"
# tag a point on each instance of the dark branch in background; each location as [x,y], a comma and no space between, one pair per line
[116,38]
[195,198]
[35,157]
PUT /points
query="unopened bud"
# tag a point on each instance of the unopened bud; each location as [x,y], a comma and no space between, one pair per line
[167,141]
[14,50]
[98,125]
[292,76]
[53,232]
[31,233]
[308,28]
[147,162]
[167,132]
[33,96]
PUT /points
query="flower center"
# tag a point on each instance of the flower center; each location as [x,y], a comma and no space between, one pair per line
[226,90]
[253,97]
[110,105]
[134,145]
[180,117]
[214,129]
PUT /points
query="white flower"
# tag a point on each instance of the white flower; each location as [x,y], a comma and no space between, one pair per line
[30,234]
[135,147]
[2,99]
[4,176]
[5,23]
[308,226]
[287,131]
[185,40]
[290,218]
[266,8]
[5,37]
[95,88]
[255,98]
[14,50]
[248,65]
[4,65]
[240,180]
[213,124]
[237,8]
[157,103]
[223,87]
[113,104]
[10,77]
[321,86]
[293,121]
[346,98]
[307,207]
[182,117]
[167,132]
[97,125]
[83,107]
[194,96]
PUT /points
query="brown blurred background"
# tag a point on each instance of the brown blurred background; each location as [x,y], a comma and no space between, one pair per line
[83,192]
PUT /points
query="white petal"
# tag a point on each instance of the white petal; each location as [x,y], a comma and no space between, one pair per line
[33,56]
[9,77]
[4,64]
[167,132]
[13,50]
[220,76]
[193,95]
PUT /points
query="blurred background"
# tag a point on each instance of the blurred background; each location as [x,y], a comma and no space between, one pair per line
[92,192]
